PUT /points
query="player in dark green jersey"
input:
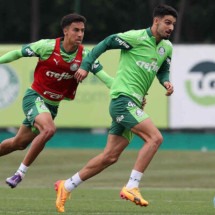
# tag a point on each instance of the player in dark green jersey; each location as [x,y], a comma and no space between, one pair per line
[54,81]
[145,54]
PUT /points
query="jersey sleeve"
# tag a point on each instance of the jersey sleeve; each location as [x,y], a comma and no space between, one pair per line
[130,37]
[111,42]
[11,56]
[105,78]
[96,66]
[163,72]
[35,49]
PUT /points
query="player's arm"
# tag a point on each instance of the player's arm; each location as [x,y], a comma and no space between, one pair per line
[97,70]
[163,76]
[105,78]
[26,51]
[110,42]
[11,56]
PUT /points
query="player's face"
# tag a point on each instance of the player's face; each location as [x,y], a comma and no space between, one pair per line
[165,26]
[74,33]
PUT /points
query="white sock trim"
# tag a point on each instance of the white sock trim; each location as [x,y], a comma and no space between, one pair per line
[22,170]
[73,182]
[134,179]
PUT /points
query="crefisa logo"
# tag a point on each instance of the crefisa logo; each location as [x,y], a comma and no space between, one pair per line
[9,86]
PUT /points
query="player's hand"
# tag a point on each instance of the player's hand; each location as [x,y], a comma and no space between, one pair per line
[80,74]
[169,88]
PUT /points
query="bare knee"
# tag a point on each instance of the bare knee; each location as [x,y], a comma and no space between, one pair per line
[48,131]
[14,144]
[156,140]
[159,139]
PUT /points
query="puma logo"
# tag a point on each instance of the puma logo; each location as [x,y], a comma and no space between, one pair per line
[56,61]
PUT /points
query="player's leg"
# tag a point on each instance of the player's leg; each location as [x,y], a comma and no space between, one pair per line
[45,124]
[152,140]
[115,145]
[128,114]
[22,139]
[40,115]
[118,139]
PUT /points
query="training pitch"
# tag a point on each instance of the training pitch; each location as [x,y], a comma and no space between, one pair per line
[176,183]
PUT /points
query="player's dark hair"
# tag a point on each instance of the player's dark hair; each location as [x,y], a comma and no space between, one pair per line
[70,18]
[163,10]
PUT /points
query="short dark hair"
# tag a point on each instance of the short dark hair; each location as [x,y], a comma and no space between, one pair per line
[163,10]
[70,18]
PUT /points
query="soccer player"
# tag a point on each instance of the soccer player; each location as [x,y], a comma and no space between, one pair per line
[53,81]
[145,54]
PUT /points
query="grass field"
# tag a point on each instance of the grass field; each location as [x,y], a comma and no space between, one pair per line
[176,183]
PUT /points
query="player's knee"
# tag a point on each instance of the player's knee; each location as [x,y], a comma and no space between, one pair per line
[157,140]
[48,131]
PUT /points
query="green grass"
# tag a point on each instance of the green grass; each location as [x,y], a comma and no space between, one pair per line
[176,183]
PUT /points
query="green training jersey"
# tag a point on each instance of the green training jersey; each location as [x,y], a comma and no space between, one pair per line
[44,48]
[141,59]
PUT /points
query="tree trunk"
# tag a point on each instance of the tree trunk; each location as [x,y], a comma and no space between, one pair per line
[34,20]
[177,34]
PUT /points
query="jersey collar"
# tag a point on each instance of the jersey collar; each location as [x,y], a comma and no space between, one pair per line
[149,32]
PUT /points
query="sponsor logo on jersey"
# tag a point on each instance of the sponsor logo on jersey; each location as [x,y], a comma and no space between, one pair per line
[150,67]
[200,85]
[59,76]
[29,52]
[139,112]
[119,118]
[9,86]
[53,95]
[131,104]
[122,42]
[56,61]
[161,51]
[95,65]
[74,67]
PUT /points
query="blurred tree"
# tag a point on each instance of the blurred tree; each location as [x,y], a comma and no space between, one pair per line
[33,19]
[14,21]
[179,25]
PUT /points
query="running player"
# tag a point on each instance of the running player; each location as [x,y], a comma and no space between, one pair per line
[145,54]
[53,81]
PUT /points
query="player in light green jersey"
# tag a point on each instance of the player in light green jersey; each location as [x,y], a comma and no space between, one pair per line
[145,54]
[54,81]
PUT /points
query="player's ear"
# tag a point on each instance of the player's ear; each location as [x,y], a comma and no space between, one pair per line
[65,30]
[156,20]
